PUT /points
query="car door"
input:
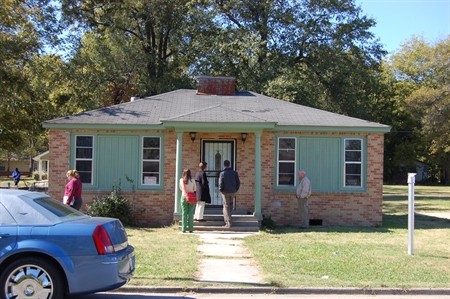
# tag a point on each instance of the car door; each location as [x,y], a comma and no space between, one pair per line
[8,232]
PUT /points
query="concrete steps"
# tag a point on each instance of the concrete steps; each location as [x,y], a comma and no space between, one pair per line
[242,221]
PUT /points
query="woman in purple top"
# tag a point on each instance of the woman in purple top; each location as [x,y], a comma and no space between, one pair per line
[72,192]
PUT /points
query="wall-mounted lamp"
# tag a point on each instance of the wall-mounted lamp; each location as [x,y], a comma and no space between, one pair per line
[192,134]
[243,137]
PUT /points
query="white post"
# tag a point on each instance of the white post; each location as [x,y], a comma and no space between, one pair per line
[411,182]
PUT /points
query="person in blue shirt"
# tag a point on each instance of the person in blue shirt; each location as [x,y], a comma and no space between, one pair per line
[16,176]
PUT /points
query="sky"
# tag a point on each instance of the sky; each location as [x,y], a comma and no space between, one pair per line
[399,20]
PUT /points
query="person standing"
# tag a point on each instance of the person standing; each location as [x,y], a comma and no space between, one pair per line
[303,193]
[229,184]
[203,195]
[73,190]
[187,209]
[16,176]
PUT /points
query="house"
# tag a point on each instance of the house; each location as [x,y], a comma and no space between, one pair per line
[145,144]
[8,166]
[41,164]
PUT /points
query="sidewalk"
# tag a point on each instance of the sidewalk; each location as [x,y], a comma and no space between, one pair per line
[225,260]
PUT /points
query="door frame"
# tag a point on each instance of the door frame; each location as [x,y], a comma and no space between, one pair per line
[204,143]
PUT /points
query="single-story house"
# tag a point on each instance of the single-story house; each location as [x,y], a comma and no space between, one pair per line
[146,143]
[41,164]
[7,167]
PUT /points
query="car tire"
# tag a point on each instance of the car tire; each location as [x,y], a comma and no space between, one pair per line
[31,278]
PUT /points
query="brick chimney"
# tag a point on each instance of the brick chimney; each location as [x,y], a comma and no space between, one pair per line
[217,85]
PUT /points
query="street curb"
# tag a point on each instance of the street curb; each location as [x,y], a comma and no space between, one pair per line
[292,291]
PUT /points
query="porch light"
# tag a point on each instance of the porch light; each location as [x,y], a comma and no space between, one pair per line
[192,134]
[243,137]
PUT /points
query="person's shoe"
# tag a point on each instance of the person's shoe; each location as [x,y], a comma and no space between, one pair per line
[201,220]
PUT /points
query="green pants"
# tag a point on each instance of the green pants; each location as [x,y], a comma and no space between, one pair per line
[187,215]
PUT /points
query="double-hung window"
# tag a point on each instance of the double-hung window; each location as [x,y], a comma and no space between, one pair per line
[84,157]
[353,163]
[151,160]
[286,161]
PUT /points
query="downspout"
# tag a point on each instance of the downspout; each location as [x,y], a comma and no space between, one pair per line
[258,185]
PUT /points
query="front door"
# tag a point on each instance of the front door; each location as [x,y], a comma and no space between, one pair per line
[214,152]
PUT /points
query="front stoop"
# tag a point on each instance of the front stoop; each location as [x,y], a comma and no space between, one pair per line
[241,221]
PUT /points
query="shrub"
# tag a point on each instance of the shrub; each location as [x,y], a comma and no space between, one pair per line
[113,205]
[267,223]
[35,175]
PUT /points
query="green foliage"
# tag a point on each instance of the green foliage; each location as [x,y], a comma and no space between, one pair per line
[35,175]
[113,205]
[268,223]
[422,92]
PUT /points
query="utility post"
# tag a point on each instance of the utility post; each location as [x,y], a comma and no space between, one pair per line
[411,182]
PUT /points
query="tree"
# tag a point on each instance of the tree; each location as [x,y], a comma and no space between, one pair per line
[421,71]
[156,26]
[24,27]
[318,53]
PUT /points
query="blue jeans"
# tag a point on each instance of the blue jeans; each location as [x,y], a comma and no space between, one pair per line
[187,215]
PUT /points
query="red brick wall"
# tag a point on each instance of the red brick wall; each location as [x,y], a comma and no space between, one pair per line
[59,156]
[156,207]
[356,208]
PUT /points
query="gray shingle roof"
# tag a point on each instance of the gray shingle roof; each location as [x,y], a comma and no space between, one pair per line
[186,105]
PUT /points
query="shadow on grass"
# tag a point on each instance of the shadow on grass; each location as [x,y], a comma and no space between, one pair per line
[420,221]
[390,222]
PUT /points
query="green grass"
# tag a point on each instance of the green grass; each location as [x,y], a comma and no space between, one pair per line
[23,183]
[164,256]
[418,190]
[360,257]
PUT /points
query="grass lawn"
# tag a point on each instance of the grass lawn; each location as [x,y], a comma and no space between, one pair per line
[362,257]
[23,183]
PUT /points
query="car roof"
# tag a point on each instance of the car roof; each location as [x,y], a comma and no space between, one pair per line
[25,208]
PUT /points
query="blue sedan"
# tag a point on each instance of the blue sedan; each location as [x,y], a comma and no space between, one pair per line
[49,250]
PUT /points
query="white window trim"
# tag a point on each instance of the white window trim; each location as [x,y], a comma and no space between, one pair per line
[151,160]
[84,159]
[353,162]
[286,161]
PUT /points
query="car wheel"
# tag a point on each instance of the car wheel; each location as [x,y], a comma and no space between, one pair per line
[31,278]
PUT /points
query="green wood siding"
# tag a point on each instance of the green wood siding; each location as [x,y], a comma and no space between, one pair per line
[321,159]
[117,158]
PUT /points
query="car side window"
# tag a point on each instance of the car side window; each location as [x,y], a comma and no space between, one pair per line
[5,217]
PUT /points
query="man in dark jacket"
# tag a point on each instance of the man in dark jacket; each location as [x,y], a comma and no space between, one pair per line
[229,184]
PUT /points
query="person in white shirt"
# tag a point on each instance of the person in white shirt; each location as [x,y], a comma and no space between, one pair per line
[303,193]
[187,184]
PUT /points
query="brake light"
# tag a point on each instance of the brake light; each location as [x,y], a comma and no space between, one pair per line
[102,241]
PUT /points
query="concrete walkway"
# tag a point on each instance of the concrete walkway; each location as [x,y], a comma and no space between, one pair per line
[225,260]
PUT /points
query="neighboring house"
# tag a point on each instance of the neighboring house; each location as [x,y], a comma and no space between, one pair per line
[146,143]
[7,167]
[41,164]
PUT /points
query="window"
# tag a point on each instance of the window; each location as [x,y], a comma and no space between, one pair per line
[84,156]
[151,160]
[353,163]
[286,161]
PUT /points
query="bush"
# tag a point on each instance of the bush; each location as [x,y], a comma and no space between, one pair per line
[113,205]
[35,175]
[267,223]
